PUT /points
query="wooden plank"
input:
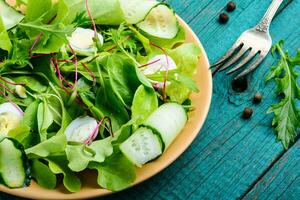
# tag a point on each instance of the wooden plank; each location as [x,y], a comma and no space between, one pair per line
[282,181]
[230,154]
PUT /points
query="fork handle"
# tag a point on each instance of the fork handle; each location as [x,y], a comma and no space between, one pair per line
[265,22]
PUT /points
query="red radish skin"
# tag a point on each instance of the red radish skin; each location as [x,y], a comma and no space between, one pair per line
[10,101]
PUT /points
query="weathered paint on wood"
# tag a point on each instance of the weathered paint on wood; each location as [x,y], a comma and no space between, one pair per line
[282,181]
[231,154]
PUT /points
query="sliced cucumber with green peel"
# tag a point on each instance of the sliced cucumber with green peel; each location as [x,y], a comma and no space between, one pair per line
[168,121]
[161,22]
[14,167]
[136,10]
[142,147]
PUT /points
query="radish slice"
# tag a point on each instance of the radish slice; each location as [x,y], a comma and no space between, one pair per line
[80,129]
[160,63]
[10,117]
[82,42]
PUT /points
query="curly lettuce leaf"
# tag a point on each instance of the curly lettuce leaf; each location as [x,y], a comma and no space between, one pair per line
[186,58]
[79,156]
[43,175]
[55,145]
[59,165]
[116,173]
[287,118]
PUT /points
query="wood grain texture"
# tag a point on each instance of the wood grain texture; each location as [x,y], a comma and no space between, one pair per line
[231,155]
[282,181]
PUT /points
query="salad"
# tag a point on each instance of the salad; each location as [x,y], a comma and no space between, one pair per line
[90,85]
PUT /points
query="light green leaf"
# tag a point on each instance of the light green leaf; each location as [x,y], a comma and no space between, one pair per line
[43,175]
[55,145]
[144,103]
[79,156]
[59,165]
[116,173]
[9,15]
[5,42]
[44,119]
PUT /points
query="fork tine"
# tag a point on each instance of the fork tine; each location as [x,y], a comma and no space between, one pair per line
[235,58]
[236,45]
[249,57]
[254,65]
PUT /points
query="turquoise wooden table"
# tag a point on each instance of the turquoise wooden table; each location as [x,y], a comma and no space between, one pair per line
[232,158]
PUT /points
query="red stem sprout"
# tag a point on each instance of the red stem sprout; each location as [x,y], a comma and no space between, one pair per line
[167,71]
[96,130]
[90,73]
[148,64]
[91,17]
[75,63]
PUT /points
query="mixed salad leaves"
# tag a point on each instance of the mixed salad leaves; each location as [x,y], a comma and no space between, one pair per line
[100,85]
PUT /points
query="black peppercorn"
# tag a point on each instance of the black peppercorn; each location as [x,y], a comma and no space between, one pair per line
[231,6]
[257,98]
[247,113]
[223,18]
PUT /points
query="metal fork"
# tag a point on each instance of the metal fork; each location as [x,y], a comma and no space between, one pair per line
[255,42]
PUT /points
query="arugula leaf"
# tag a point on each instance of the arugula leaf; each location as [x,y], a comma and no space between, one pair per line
[19,55]
[52,36]
[287,118]
[43,175]
[116,173]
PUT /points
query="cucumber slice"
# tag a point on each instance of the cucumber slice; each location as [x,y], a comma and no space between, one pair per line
[168,120]
[142,147]
[135,11]
[160,22]
[14,168]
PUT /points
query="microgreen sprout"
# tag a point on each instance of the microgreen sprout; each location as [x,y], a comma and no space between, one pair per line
[96,130]
[90,73]
[167,70]
[148,64]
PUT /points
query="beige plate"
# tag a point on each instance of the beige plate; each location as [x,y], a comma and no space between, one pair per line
[201,102]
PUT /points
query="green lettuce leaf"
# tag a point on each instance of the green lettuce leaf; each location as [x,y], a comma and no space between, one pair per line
[5,42]
[43,175]
[186,58]
[144,103]
[59,165]
[55,145]
[79,156]
[116,173]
